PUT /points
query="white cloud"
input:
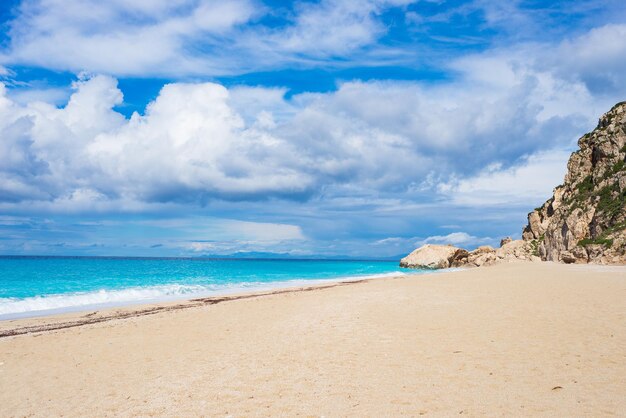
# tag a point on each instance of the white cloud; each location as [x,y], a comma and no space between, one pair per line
[211,38]
[186,37]
[190,145]
[393,142]
[532,180]
[596,57]
[331,27]
[454,238]
[53,95]
[390,240]
[399,245]
[202,228]
[118,36]
[195,144]
[266,231]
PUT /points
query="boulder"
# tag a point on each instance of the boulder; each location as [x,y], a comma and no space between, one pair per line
[459,258]
[483,259]
[444,256]
[567,257]
[481,256]
[515,250]
[430,256]
[580,253]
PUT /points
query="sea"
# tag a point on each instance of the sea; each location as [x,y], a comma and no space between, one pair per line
[38,286]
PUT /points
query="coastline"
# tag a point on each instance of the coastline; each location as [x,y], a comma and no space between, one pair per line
[226,291]
[122,282]
[87,315]
[520,338]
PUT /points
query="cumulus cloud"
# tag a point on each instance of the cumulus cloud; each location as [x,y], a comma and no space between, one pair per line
[199,142]
[190,145]
[191,140]
[491,135]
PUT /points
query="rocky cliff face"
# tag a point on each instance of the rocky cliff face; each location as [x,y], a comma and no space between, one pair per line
[585,220]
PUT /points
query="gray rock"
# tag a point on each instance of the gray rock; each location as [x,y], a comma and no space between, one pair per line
[567,257]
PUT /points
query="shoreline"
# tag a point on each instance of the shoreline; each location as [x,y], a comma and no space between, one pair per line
[158,294]
[42,321]
[63,320]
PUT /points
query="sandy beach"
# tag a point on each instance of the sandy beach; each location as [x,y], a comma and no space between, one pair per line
[525,339]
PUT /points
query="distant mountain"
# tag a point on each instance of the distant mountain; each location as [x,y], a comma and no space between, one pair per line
[287,256]
[585,219]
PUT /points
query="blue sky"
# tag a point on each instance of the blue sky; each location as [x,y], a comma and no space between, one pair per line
[340,127]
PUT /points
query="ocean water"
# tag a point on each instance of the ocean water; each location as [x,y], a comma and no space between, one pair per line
[33,286]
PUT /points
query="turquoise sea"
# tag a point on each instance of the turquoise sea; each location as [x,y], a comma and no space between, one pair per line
[32,286]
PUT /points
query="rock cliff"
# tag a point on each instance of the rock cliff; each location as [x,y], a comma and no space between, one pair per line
[585,220]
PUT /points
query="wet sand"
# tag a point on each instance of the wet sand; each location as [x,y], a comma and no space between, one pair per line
[536,339]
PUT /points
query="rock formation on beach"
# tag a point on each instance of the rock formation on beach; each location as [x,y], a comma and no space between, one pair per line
[430,256]
[443,256]
[583,222]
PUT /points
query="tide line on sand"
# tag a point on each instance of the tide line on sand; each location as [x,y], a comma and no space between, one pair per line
[109,315]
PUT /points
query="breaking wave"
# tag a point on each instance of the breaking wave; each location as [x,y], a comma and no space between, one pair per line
[11,308]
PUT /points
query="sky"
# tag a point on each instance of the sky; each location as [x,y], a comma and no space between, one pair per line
[331,128]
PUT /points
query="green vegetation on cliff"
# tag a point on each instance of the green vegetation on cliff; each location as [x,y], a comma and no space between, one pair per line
[585,219]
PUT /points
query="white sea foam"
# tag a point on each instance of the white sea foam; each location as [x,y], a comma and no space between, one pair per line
[11,308]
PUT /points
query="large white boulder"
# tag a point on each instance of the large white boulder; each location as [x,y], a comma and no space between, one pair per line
[430,256]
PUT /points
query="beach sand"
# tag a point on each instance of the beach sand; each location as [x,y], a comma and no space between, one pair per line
[525,339]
